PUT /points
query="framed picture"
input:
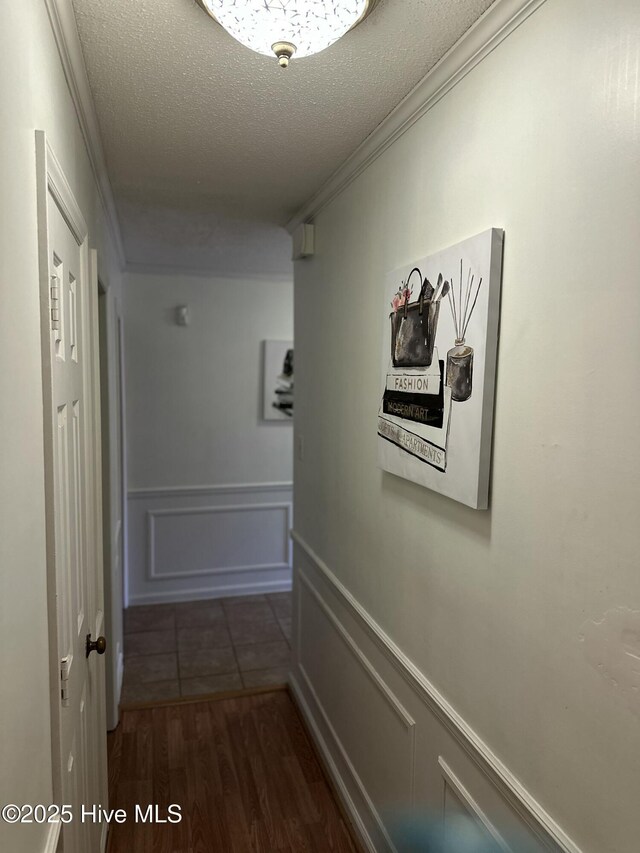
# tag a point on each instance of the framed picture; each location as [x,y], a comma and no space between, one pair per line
[440,343]
[277,381]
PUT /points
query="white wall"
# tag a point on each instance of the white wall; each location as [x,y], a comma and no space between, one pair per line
[488,609]
[194,430]
[33,95]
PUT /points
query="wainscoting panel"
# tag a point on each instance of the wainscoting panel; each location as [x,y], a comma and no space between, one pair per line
[207,541]
[461,814]
[403,760]
[216,540]
[385,768]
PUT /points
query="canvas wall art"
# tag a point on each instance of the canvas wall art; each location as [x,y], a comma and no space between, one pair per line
[277,381]
[440,343]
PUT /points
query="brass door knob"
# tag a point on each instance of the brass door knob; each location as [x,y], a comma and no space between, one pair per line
[99,645]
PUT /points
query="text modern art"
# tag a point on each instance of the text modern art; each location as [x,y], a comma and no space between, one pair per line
[440,338]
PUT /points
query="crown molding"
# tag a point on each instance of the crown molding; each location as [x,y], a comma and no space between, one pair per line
[497,23]
[65,33]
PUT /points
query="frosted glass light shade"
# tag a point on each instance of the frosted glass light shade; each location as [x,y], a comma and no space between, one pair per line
[309,26]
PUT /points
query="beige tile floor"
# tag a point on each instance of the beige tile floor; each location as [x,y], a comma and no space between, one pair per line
[202,647]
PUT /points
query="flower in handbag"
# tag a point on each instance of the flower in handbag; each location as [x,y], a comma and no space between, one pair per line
[403,296]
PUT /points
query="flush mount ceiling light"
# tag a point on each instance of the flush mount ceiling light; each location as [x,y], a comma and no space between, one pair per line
[288,27]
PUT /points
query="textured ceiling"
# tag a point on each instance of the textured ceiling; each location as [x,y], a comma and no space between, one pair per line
[211,147]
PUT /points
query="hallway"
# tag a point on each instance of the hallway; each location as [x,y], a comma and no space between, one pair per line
[319,470]
[243,769]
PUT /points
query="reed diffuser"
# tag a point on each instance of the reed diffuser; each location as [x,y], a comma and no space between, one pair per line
[460,357]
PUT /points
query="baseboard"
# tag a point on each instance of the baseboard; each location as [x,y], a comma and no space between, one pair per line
[403,680]
[220,592]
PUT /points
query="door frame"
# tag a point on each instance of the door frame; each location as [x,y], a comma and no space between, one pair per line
[124,534]
[51,180]
[111,350]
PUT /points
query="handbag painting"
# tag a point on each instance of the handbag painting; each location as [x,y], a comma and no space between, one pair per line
[414,324]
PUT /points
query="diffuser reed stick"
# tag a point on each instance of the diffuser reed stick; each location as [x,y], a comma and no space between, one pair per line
[462,307]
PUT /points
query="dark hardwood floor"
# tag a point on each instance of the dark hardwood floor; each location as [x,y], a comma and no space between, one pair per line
[242,769]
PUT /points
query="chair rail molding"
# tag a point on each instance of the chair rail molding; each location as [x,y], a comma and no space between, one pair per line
[394,703]
[509,789]
[497,23]
[65,33]
[221,489]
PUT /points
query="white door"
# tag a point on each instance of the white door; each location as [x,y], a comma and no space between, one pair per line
[79,732]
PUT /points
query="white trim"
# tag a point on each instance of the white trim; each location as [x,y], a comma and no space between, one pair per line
[99,629]
[260,588]
[61,192]
[65,33]
[336,775]
[508,786]
[152,575]
[119,673]
[218,575]
[124,531]
[196,491]
[498,22]
[472,807]
[219,570]
[387,694]
[53,838]
[379,683]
